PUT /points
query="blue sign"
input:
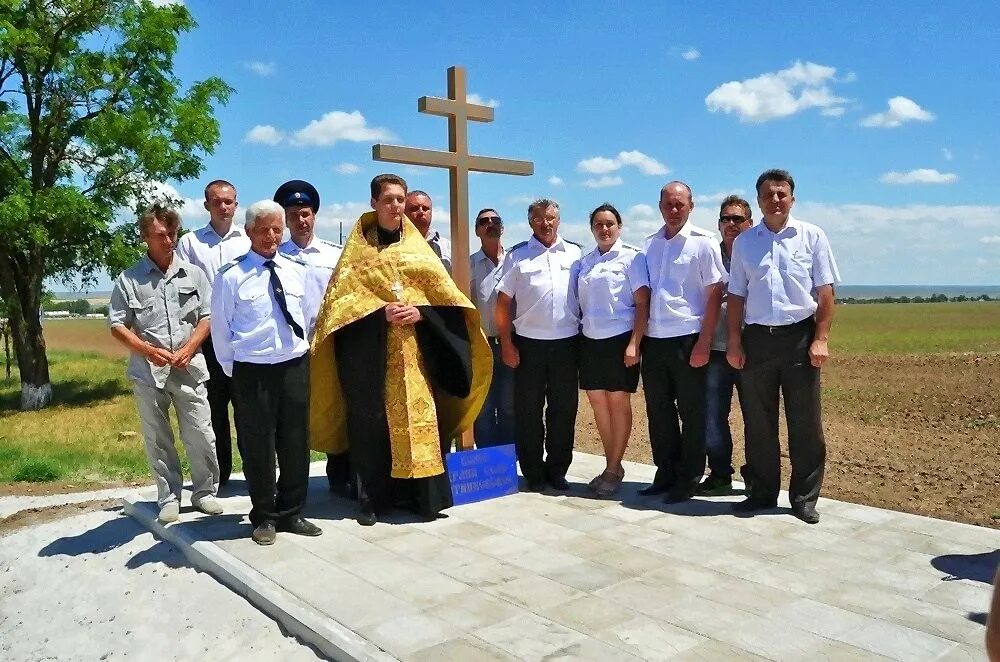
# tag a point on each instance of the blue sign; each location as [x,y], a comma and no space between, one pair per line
[483,473]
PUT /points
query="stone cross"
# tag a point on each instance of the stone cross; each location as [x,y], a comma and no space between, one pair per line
[457,160]
[459,163]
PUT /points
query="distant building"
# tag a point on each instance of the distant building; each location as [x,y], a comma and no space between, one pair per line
[58,314]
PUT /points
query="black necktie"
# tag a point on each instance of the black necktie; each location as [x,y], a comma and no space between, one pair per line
[279,295]
[436,248]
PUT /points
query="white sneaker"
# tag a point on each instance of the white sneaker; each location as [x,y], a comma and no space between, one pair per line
[169,512]
[208,505]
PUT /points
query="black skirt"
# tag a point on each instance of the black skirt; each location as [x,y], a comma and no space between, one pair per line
[602,365]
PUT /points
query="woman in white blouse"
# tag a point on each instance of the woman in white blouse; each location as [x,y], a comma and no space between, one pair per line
[613,288]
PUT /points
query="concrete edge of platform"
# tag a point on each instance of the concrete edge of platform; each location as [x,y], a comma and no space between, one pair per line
[323,633]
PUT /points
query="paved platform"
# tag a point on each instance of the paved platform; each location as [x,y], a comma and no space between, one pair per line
[569,577]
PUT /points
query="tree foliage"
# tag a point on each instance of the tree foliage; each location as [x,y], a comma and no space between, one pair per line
[91,116]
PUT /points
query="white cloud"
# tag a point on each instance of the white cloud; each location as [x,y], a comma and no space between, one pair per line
[521,200]
[691,54]
[717,197]
[947,154]
[338,125]
[994,239]
[192,210]
[601,165]
[331,215]
[555,181]
[480,101]
[347,169]
[778,94]
[836,111]
[166,3]
[264,134]
[919,176]
[603,182]
[901,110]
[261,68]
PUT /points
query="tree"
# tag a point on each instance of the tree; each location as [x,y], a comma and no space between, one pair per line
[91,116]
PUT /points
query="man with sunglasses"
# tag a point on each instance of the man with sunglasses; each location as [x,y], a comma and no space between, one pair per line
[734,218]
[781,287]
[495,424]
[420,210]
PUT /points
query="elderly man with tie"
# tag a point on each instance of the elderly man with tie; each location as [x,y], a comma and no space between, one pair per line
[259,334]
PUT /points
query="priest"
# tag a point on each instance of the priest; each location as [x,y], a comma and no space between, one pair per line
[400,363]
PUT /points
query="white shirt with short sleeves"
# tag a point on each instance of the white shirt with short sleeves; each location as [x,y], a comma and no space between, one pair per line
[485,276]
[680,271]
[605,285]
[443,246]
[777,273]
[247,323]
[321,258]
[205,249]
[540,280]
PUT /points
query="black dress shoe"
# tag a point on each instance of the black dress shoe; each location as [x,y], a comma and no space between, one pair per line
[751,504]
[264,533]
[680,494]
[366,516]
[536,485]
[300,527]
[806,512]
[558,483]
[653,490]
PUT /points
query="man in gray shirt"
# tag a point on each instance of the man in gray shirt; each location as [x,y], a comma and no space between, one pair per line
[160,311]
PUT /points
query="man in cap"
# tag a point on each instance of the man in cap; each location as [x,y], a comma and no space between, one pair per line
[301,202]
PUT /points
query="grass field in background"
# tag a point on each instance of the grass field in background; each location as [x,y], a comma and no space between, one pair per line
[78,438]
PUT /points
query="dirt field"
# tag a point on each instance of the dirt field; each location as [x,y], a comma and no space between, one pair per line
[911,407]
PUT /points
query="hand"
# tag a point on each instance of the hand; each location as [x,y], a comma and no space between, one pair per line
[700,354]
[511,357]
[182,357]
[159,356]
[819,353]
[734,354]
[398,313]
[631,354]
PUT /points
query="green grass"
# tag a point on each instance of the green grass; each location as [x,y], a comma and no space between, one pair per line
[916,328]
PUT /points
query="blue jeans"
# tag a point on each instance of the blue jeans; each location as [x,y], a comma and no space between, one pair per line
[719,382]
[495,424]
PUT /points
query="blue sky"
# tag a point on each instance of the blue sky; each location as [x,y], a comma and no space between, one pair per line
[884,113]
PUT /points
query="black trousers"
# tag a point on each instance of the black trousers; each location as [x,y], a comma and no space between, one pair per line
[220,392]
[272,418]
[546,395]
[777,359]
[675,408]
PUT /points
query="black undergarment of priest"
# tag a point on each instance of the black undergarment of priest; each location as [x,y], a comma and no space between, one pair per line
[401,363]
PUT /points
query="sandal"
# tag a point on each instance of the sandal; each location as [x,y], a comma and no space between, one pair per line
[596,481]
[609,486]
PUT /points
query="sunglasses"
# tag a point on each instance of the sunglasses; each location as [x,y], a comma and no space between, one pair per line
[487,220]
[735,220]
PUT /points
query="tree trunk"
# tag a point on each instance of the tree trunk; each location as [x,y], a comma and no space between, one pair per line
[29,344]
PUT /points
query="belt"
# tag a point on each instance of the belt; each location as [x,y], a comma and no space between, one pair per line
[782,328]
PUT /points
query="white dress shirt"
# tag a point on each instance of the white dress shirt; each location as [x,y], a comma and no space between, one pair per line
[321,258]
[442,246]
[680,270]
[204,248]
[778,272]
[605,285]
[247,323]
[485,276]
[539,279]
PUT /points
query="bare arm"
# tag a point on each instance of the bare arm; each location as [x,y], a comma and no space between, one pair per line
[734,329]
[502,317]
[156,355]
[819,352]
[703,346]
[639,324]
[183,356]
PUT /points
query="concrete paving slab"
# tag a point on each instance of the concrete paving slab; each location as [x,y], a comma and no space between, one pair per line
[564,576]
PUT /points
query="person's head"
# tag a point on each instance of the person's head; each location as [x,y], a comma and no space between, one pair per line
[735,217]
[220,201]
[388,200]
[265,224]
[606,224]
[489,225]
[543,217]
[775,193]
[158,229]
[300,200]
[676,203]
[419,210]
